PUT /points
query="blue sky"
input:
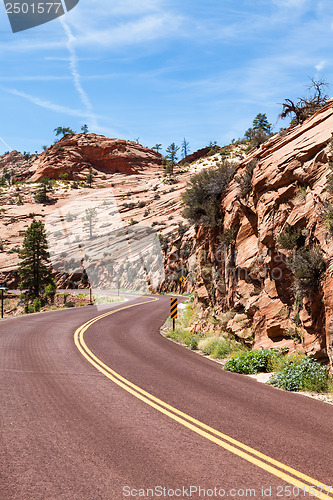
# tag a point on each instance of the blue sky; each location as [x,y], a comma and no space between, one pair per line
[160,70]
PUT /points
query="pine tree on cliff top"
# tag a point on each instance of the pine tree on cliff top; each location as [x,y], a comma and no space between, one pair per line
[172,155]
[34,268]
[64,131]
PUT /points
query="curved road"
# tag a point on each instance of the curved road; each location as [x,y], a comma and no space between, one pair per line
[123,411]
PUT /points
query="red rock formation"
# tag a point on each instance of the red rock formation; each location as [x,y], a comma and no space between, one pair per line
[201,153]
[252,278]
[15,163]
[74,154]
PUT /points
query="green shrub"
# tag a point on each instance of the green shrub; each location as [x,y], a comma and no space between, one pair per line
[245,179]
[194,343]
[69,217]
[307,265]
[70,304]
[228,236]
[290,238]
[330,177]
[254,361]
[50,290]
[202,198]
[181,335]
[37,304]
[259,138]
[328,215]
[14,250]
[301,374]
[301,193]
[218,347]
[330,184]
[129,205]
[45,186]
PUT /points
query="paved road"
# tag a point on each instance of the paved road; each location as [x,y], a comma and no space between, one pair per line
[68,431]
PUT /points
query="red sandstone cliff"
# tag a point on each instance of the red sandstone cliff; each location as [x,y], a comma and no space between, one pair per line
[250,275]
[74,154]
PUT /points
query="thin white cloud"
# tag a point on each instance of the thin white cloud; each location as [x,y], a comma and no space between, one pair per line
[47,104]
[145,29]
[320,66]
[32,78]
[53,58]
[291,3]
[99,25]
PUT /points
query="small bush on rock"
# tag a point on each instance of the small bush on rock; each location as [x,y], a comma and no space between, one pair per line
[202,198]
[307,265]
[290,238]
[245,179]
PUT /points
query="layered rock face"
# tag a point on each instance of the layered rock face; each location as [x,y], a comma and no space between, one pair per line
[201,153]
[73,155]
[249,275]
[15,163]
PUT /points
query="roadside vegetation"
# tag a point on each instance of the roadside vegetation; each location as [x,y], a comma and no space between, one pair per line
[250,363]
[291,372]
[214,345]
[107,299]
[299,373]
[14,304]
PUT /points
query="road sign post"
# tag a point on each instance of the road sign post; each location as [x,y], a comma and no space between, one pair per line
[2,288]
[173,311]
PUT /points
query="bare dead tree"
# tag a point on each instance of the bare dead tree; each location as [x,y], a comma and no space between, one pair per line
[306,106]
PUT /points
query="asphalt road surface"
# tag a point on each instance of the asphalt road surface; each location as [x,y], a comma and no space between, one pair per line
[113,410]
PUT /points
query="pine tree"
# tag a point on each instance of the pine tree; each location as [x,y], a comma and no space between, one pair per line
[260,130]
[64,131]
[185,148]
[44,188]
[171,155]
[90,218]
[157,147]
[85,129]
[261,123]
[34,268]
[90,177]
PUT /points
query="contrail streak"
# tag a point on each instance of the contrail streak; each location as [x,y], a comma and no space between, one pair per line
[76,75]
[5,143]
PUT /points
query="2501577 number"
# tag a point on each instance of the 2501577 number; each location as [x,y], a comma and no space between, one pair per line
[294,492]
[32,8]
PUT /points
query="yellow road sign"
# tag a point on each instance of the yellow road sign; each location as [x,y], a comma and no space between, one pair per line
[173,308]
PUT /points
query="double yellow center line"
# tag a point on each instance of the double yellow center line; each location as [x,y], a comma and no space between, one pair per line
[274,467]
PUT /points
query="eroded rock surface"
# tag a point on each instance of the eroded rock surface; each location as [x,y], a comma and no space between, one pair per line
[250,275]
[73,155]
